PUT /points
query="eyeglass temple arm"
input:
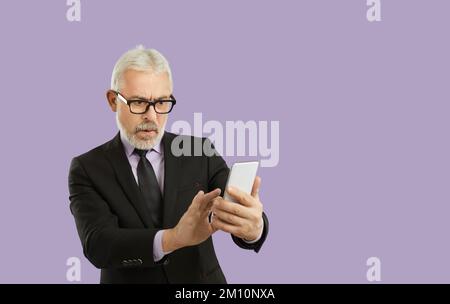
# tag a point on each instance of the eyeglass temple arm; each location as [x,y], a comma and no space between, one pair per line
[121,98]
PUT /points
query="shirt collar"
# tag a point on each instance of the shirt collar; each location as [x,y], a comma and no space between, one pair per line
[129,149]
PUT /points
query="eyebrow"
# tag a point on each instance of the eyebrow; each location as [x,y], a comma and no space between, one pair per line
[143,98]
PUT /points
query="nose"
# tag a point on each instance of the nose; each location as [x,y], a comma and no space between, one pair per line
[150,114]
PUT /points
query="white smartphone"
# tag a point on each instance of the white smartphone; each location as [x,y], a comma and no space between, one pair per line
[242,176]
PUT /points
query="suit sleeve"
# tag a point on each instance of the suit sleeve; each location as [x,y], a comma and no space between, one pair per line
[218,174]
[105,244]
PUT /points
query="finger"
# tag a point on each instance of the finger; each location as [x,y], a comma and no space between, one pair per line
[207,210]
[230,207]
[240,196]
[229,218]
[214,229]
[200,199]
[256,186]
[208,198]
[196,201]
[218,224]
[211,195]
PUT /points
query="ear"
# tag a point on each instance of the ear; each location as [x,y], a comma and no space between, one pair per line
[112,97]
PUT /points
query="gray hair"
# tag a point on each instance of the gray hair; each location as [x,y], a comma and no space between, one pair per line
[140,59]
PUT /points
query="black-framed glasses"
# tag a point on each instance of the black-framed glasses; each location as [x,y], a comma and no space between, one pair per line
[141,106]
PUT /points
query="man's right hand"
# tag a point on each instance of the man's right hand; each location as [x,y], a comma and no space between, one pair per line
[194,226]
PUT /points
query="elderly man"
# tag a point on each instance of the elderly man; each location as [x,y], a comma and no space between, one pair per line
[142,213]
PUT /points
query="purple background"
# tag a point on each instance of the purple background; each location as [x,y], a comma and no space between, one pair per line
[363,110]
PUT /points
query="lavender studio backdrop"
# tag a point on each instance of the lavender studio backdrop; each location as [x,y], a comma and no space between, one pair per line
[362,108]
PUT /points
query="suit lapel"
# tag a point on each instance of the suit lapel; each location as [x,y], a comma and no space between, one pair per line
[116,155]
[172,169]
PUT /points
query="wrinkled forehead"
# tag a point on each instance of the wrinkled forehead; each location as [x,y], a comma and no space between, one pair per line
[145,85]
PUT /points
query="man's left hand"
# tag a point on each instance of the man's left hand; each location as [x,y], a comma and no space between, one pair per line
[242,219]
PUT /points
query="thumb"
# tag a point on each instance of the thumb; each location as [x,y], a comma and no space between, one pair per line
[256,186]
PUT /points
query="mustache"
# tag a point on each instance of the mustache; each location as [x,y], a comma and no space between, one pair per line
[147,126]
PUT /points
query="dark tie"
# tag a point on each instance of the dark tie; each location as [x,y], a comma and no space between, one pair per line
[149,188]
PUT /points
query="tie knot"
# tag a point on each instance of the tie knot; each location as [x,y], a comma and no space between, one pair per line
[141,153]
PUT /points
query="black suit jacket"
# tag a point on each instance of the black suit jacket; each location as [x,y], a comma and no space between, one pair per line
[115,227]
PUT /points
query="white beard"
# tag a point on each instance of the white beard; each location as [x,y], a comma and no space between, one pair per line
[136,142]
